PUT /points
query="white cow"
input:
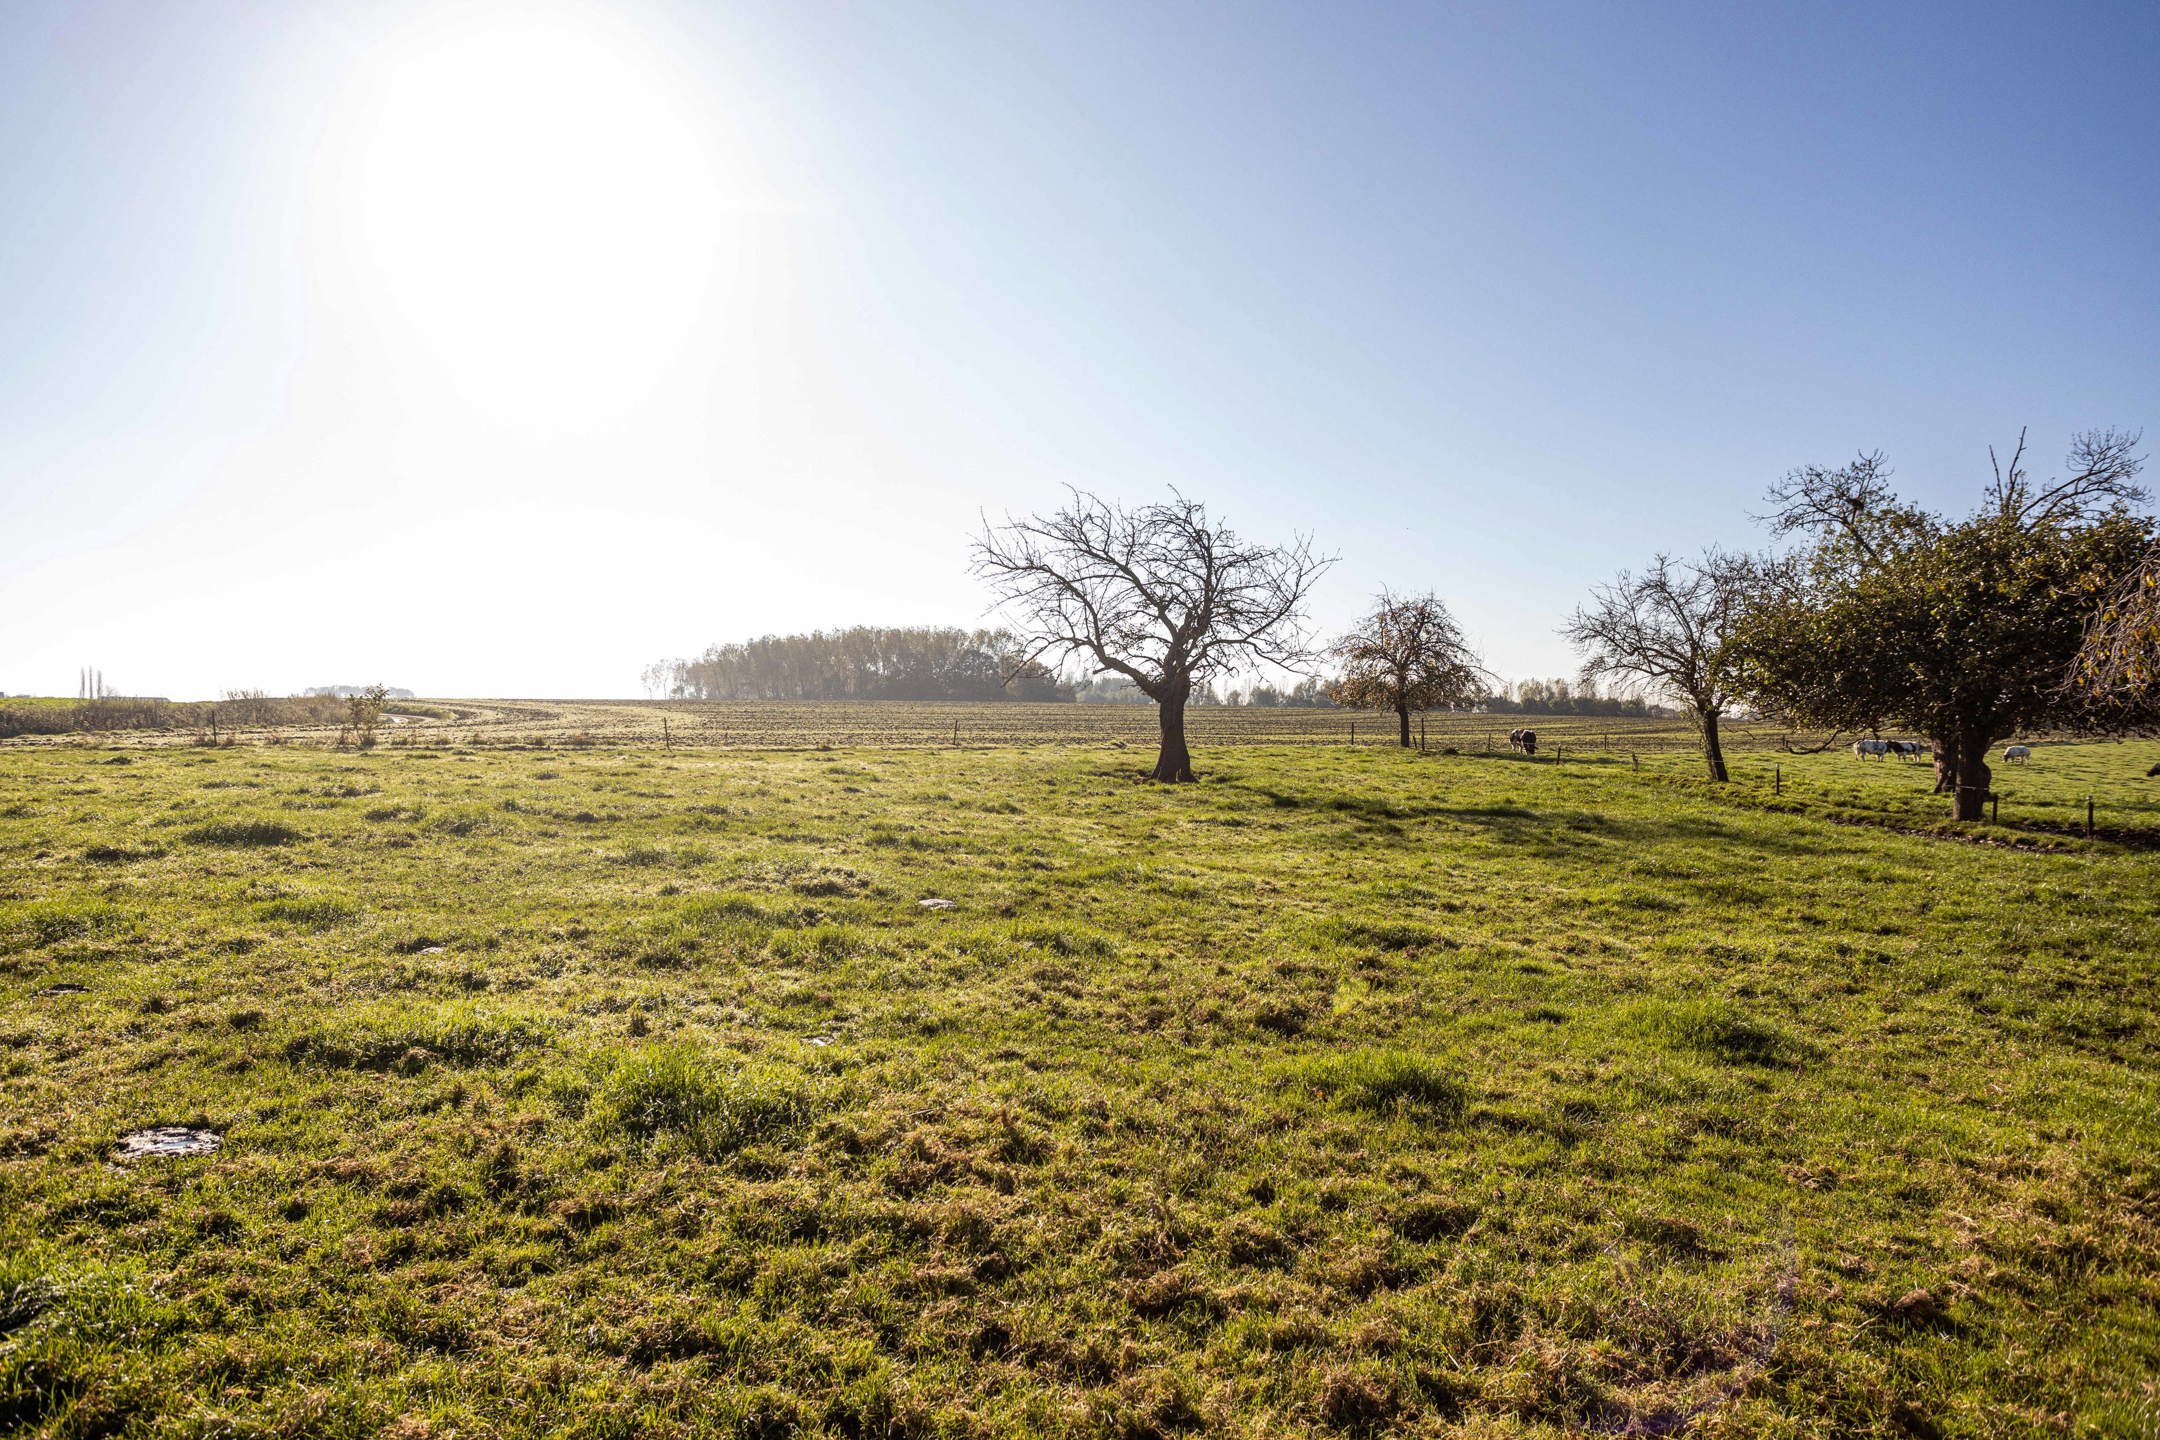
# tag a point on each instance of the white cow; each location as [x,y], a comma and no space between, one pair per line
[1864,748]
[2017,754]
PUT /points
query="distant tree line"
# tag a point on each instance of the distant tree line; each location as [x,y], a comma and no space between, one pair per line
[238,708]
[1309,693]
[1560,697]
[863,662]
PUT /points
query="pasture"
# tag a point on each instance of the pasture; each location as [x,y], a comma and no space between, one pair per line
[794,725]
[566,1084]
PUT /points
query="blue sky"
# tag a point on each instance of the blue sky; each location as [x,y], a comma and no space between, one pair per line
[492,348]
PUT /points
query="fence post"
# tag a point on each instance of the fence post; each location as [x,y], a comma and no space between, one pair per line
[1353,732]
[1994,807]
[1634,759]
[1421,732]
[2088,817]
[1778,778]
[667,736]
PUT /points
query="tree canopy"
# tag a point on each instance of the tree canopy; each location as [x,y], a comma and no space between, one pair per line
[1960,630]
[1157,593]
[1406,655]
[1670,628]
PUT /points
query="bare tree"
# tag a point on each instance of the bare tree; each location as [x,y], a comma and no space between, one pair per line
[2119,662]
[1852,502]
[1155,593]
[1668,628]
[1854,507]
[1408,654]
[2103,469]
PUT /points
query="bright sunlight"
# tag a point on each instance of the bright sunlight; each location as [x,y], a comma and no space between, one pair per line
[535,197]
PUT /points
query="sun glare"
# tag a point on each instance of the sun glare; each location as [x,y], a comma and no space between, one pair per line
[541,210]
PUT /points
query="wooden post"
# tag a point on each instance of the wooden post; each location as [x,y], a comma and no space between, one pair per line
[1421,731]
[1353,732]
[667,736]
[1634,759]
[1994,807]
[1778,778]
[2088,817]
[956,732]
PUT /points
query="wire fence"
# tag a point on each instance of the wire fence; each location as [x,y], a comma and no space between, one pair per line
[895,724]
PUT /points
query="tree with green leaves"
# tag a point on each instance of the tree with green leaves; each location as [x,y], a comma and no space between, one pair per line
[1669,628]
[364,711]
[1407,655]
[1960,630]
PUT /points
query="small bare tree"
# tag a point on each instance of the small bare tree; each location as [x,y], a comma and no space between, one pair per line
[1668,628]
[1408,654]
[2120,660]
[1155,593]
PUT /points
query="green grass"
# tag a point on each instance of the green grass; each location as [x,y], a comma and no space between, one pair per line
[598,1092]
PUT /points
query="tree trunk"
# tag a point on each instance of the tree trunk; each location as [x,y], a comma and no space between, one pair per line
[1174,762]
[1713,753]
[1402,713]
[1973,777]
[1946,764]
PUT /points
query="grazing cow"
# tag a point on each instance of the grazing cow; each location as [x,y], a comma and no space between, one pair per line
[2017,754]
[2154,773]
[1907,749]
[1864,748]
[1523,740]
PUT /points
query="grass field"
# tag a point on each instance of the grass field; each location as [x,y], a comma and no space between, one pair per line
[779,724]
[601,1089]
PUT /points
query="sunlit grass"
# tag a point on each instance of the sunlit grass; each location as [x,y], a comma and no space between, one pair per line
[614,1091]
